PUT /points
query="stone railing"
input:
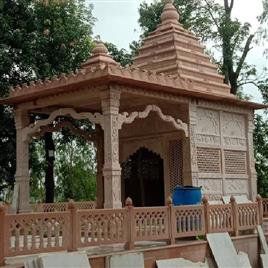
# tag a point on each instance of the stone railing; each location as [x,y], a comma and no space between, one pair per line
[62,206]
[73,228]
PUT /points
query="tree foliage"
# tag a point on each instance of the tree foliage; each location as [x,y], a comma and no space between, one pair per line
[38,39]
[75,171]
[261,154]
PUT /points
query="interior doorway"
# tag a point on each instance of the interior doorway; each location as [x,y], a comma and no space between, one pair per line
[143,178]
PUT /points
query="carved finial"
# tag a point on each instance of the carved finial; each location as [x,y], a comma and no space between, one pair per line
[129,202]
[170,13]
[258,198]
[71,204]
[99,58]
[205,200]
[232,199]
[169,201]
[100,48]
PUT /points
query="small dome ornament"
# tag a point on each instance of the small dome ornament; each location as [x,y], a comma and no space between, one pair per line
[100,48]
[170,13]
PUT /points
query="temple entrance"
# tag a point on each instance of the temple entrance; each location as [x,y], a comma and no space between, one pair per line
[143,178]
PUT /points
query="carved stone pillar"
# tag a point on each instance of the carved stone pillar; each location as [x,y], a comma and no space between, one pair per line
[192,144]
[100,161]
[21,193]
[110,101]
[251,159]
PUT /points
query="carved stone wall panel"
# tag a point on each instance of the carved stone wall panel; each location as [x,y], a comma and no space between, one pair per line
[251,158]
[233,125]
[208,140]
[230,142]
[208,122]
[193,142]
[211,186]
[236,186]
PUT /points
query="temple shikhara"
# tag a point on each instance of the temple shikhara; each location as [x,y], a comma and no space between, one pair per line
[168,119]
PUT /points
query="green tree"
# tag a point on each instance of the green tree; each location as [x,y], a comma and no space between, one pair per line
[75,171]
[120,55]
[261,154]
[38,39]
[15,32]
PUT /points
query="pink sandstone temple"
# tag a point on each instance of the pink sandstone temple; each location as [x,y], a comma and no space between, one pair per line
[166,120]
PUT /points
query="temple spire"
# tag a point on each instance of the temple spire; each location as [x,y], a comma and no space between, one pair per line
[170,13]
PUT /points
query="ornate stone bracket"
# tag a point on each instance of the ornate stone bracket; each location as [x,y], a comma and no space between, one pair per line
[95,118]
[91,137]
[127,118]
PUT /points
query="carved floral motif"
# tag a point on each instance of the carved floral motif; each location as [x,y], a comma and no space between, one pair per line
[208,139]
[208,122]
[233,125]
[235,142]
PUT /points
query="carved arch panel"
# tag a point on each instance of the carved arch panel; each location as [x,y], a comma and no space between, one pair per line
[27,132]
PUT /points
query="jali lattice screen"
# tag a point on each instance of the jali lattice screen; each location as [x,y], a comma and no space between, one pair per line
[235,162]
[209,160]
[175,163]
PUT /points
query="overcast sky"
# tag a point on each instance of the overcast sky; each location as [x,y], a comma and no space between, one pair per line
[117,22]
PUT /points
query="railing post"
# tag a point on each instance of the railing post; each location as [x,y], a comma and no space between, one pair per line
[130,224]
[172,224]
[206,211]
[235,215]
[74,232]
[260,205]
[2,234]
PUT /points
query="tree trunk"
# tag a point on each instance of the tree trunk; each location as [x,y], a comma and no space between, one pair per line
[49,169]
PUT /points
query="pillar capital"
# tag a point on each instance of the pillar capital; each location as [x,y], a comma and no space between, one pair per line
[21,119]
[110,100]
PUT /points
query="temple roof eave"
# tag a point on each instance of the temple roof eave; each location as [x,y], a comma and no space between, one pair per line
[131,77]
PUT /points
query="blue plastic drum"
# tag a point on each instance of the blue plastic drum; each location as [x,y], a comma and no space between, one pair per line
[186,195]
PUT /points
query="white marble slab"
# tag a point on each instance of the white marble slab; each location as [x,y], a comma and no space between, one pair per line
[131,260]
[223,250]
[264,260]
[244,260]
[64,260]
[179,263]
[262,239]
